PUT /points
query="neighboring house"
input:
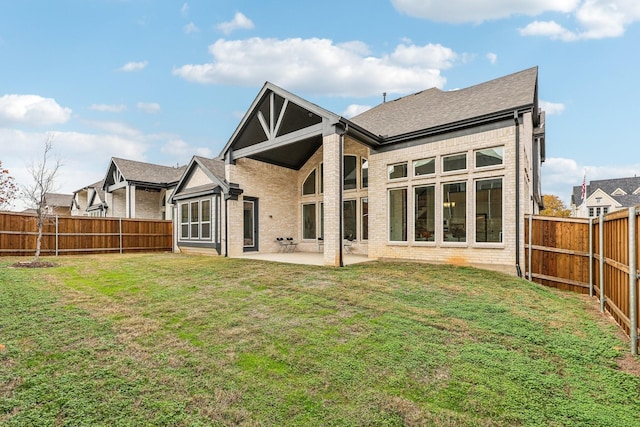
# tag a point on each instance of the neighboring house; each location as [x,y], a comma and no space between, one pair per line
[604,196]
[56,204]
[199,198]
[90,201]
[139,190]
[435,176]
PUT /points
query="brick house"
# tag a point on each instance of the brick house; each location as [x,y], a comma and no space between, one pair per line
[434,176]
[135,189]
[605,195]
[90,201]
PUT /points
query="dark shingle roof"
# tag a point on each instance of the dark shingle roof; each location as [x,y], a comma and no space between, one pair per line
[609,186]
[216,166]
[148,172]
[434,107]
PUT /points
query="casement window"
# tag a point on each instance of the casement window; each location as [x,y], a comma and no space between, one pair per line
[349,216]
[454,162]
[489,210]
[454,212]
[364,222]
[489,157]
[195,220]
[309,221]
[424,167]
[397,171]
[398,214]
[425,212]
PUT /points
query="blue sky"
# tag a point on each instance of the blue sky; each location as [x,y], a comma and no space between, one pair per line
[160,81]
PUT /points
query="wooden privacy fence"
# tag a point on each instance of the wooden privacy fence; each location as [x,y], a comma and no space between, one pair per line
[82,235]
[595,256]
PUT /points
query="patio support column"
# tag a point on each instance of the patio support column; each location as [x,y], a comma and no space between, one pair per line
[332,165]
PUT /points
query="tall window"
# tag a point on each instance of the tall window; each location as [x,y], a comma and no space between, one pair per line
[425,211]
[454,162]
[195,218]
[350,172]
[398,215]
[309,186]
[454,212]
[309,221]
[205,219]
[350,219]
[489,210]
[365,173]
[364,223]
[184,220]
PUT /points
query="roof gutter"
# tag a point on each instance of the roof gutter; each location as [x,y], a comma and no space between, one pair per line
[517,130]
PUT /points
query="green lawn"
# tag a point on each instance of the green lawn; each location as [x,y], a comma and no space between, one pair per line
[162,339]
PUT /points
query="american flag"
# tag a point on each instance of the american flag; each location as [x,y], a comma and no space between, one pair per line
[584,186]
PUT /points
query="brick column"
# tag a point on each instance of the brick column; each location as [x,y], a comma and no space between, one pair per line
[332,187]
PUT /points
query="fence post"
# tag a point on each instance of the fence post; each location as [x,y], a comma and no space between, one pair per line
[530,244]
[591,256]
[601,234]
[120,223]
[56,235]
[633,280]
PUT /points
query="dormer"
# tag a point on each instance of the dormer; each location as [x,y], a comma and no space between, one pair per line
[619,192]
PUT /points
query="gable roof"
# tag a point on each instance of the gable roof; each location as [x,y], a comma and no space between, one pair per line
[433,108]
[610,187]
[141,173]
[213,168]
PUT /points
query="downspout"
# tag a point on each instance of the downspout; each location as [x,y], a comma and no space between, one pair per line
[340,195]
[226,226]
[517,129]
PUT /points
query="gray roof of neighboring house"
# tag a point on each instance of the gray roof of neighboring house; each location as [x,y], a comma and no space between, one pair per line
[609,186]
[96,186]
[432,108]
[58,200]
[148,172]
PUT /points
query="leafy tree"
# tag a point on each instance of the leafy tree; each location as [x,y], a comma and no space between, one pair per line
[8,188]
[44,174]
[553,206]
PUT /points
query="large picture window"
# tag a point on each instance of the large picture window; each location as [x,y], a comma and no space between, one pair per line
[196,220]
[489,210]
[398,215]
[425,211]
[309,221]
[454,212]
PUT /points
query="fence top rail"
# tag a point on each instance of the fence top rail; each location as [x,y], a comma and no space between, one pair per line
[85,218]
[558,219]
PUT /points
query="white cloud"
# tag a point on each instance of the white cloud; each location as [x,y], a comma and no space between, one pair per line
[133,66]
[239,22]
[549,29]
[184,10]
[560,175]
[480,10]
[32,110]
[320,66]
[176,147]
[109,108]
[355,109]
[191,28]
[551,108]
[492,57]
[149,107]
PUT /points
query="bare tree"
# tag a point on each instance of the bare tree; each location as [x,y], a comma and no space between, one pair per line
[8,188]
[44,174]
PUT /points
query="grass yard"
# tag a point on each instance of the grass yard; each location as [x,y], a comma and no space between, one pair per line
[164,339]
